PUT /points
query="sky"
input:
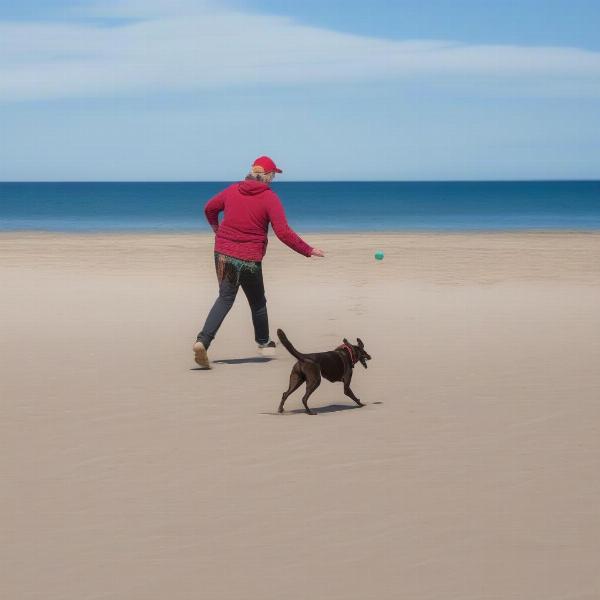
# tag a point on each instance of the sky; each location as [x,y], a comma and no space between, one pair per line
[193,90]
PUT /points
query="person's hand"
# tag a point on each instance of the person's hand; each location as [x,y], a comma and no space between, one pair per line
[317,252]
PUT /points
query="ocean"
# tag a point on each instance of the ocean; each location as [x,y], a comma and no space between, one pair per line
[310,206]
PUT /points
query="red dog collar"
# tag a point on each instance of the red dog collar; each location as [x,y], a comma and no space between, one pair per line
[350,350]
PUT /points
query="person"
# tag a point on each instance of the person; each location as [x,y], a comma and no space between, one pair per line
[240,245]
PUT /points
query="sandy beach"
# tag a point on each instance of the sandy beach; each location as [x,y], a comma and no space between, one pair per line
[471,474]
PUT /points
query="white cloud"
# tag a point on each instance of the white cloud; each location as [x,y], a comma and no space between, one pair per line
[144,9]
[186,45]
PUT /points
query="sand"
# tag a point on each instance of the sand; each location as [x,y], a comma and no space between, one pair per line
[471,474]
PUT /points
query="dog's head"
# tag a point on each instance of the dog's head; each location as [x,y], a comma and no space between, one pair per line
[361,354]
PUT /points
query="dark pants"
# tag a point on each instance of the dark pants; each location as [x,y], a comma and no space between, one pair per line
[230,280]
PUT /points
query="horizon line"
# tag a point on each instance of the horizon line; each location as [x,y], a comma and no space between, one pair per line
[138,181]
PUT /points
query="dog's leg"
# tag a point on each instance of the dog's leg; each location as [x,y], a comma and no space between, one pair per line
[313,381]
[296,380]
[348,391]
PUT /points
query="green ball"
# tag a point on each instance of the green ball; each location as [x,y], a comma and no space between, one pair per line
[379,255]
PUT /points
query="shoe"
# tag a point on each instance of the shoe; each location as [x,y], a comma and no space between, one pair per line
[269,344]
[267,349]
[201,356]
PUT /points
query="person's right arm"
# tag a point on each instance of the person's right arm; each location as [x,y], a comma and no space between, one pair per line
[212,209]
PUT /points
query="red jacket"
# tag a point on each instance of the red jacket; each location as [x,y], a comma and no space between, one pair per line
[249,207]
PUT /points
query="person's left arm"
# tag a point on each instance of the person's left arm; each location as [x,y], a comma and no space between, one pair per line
[284,232]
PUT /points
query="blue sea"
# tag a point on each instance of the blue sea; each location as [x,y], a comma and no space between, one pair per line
[316,206]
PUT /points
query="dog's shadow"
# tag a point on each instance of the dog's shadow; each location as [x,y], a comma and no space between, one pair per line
[320,409]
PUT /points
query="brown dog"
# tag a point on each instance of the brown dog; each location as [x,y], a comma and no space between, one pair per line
[335,365]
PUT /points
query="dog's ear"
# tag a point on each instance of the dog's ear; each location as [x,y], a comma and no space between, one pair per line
[360,343]
[347,342]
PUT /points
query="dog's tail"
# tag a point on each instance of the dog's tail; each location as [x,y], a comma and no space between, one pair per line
[283,338]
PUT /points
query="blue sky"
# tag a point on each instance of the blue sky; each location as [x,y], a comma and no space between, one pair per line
[195,89]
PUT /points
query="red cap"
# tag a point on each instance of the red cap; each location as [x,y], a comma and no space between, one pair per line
[267,164]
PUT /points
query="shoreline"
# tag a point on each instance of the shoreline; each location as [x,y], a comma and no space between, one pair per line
[329,232]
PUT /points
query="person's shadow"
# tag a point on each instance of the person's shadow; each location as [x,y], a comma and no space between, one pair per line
[244,361]
[238,361]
